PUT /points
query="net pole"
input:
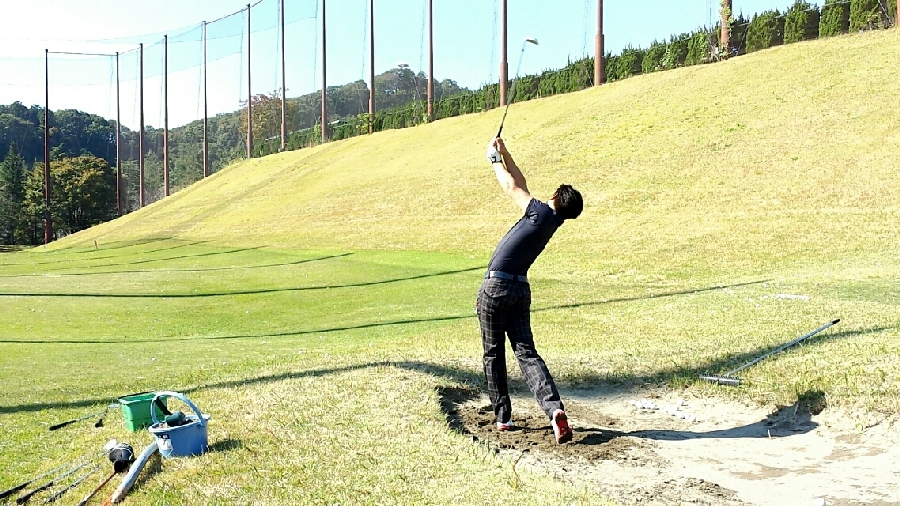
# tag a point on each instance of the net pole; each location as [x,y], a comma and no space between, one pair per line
[504,66]
[165,115]
[205,110]
[599,70]
[48,224]
[371,66]
[324,66]
[249,93]
[141,190]
[430,92]
[283,86]
[118,139]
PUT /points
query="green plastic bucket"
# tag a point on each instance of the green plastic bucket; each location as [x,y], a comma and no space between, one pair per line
[192,438]
[136,410]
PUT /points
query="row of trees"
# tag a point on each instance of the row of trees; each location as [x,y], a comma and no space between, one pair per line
[83,190]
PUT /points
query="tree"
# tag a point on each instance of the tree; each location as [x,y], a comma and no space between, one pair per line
[835,18]
[766,30]
[801,22]
[866,15]
[83,194]
[12,197]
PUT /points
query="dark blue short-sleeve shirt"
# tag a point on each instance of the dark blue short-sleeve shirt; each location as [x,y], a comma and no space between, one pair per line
[521,246]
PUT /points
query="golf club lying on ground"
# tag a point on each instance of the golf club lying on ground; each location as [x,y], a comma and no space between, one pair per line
[24,498]
[72,485]
[7,493]
[99,422]
[121,456]
[528,40]
[729,378]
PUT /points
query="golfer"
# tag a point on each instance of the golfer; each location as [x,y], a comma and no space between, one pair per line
[504,300]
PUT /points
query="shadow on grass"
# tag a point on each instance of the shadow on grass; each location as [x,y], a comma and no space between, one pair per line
[242,292]
[410,321]
[470,377]
[125,244]
[226,445]
[146,271]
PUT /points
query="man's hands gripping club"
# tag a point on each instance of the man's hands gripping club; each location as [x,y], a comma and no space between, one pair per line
[508,174]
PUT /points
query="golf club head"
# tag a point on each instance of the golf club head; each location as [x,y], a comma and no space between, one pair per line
[531,40]
[722,380]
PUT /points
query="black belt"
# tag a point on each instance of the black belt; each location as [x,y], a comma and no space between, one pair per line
[504,275]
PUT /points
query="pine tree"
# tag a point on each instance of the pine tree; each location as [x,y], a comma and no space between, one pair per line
[12,197]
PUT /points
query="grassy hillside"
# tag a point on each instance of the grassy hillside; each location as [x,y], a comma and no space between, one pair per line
[707,167]
[729,208]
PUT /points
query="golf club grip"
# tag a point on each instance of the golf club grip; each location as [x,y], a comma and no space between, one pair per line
[499,131]
[7,493]
[61,425]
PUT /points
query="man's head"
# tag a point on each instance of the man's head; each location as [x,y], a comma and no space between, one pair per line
[567,202]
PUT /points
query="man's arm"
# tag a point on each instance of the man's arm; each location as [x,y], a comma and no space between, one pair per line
[509,176]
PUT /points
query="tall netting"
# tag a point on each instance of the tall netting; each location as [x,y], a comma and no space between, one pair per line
[214,69]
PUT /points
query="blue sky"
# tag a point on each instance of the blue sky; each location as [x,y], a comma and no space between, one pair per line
[466,36]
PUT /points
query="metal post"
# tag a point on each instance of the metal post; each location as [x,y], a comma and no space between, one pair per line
[430,92]
[165,115]
[283,87]
[141,196]
[725,28]
[324,85]
[371,66]
[205,111]
[599,67]
[118,141]
[249,94]
[504,66]
[48,224]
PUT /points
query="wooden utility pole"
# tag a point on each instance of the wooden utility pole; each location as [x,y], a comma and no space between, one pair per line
[430,92]
[165,115]
[599,67]
[118,141]
[205,111]
[249,93]
[504,66]
[371,66]
[48,223]
[324,85]
[283,86]
[141,135]
[725,29]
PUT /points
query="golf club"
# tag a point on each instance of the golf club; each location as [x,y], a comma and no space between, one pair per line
[23,499]
[7,493]
[72,485]
[121,456]
[527,40]
[729,377]
[99,423]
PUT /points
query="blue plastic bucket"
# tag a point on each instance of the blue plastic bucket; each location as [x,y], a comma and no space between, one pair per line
[192,438]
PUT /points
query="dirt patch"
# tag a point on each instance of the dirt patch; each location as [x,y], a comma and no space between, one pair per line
[656,447]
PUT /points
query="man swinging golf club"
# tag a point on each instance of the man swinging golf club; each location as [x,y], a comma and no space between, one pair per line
[504,300]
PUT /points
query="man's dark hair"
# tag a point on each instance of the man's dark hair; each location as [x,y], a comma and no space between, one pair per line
[568,202]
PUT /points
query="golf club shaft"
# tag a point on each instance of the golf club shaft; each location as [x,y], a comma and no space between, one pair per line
[781,348]
[72,485]
[7,493]
[94,492]
[512,88]
[23,499]
[85,417]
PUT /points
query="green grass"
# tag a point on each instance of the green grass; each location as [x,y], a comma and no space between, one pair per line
[339,282]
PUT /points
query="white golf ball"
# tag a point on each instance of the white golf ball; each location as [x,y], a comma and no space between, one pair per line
[819,502]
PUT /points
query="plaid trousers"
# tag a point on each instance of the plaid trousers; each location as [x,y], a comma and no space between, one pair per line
[504,309]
